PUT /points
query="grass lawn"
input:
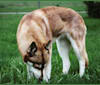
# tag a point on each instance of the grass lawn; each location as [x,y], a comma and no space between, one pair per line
[13,70]
[19,6]
[48,0]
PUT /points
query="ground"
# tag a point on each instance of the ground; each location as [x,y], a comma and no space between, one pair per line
[13,69]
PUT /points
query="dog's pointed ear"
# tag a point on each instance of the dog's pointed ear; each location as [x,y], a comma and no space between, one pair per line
[47,46]
[32,49]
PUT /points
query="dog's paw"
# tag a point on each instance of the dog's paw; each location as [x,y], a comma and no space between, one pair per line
[66,67]
[45,79]
[81,74]
[65,71]
[46,75]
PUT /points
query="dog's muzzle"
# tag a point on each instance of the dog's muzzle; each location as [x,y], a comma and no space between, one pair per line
[39,67]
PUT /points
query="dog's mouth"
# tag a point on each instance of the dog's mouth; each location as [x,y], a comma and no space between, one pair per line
[37,66]
[40,67]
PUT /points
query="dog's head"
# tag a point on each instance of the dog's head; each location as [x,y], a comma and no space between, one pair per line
[37,57]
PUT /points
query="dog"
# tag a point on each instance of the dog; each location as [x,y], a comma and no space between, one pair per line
[37,31]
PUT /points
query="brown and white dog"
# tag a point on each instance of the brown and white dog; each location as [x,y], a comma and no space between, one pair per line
[37,31]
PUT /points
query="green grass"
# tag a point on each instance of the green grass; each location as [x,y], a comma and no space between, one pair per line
[13,70]
[19,6]
[50,0]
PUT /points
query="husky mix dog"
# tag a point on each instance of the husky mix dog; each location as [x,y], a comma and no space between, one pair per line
[37,31]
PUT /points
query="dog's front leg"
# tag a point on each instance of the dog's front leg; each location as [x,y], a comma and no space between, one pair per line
[29,72]
[47,71]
